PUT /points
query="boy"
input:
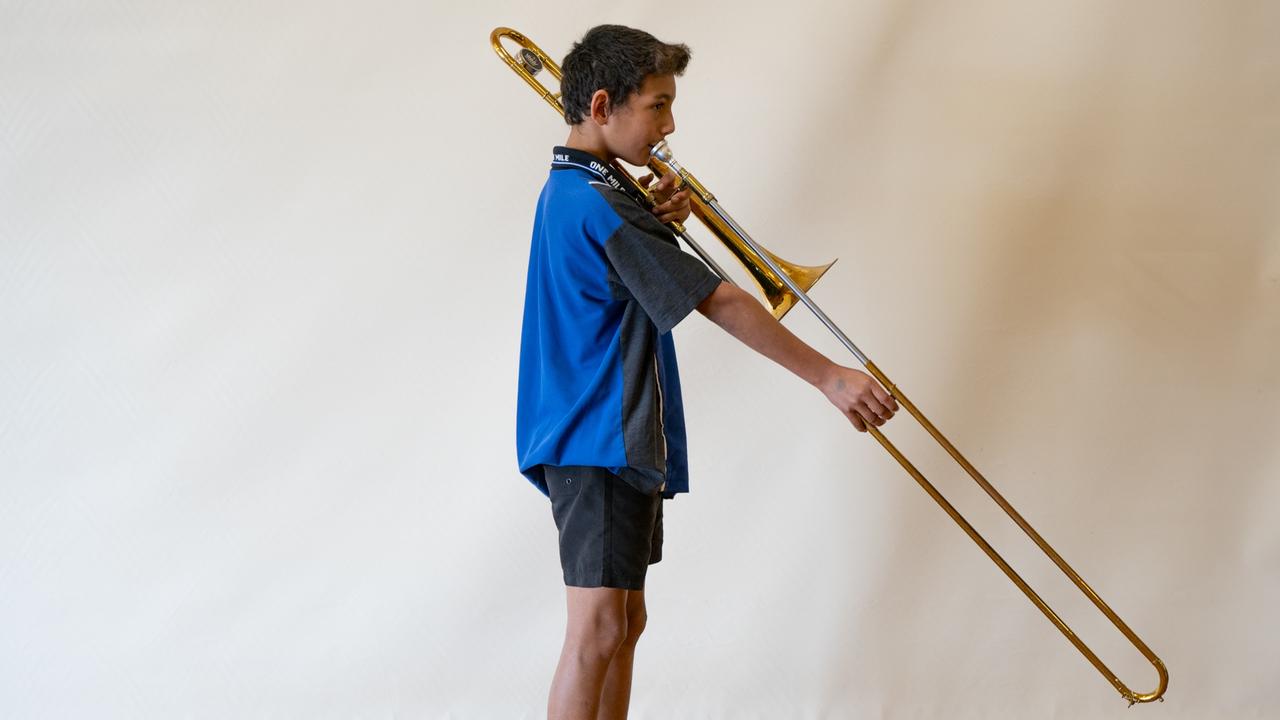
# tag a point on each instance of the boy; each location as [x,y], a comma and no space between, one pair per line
[600,426]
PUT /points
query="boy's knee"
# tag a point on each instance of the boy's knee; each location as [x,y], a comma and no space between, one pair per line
[601,634]
[636,622]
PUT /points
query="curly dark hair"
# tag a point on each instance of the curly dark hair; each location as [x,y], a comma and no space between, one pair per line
[616,59]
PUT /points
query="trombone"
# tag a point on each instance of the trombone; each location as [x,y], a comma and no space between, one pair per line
[783,284]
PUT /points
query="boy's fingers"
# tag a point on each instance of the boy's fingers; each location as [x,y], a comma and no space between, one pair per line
[644,181]
[884,397]
[673,202]
[878,411]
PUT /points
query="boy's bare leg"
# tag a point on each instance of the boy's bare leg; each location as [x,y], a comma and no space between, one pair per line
[617,683]
[596,629]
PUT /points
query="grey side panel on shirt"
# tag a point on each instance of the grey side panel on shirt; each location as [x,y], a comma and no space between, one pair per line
[641,402]
[661,285]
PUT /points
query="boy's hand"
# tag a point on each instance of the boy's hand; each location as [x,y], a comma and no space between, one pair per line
[858,396]
[671,203]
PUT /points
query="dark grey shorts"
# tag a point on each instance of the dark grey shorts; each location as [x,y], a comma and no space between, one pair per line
[610,533]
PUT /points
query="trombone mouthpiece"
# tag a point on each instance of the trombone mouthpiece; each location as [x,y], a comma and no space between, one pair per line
[662,151]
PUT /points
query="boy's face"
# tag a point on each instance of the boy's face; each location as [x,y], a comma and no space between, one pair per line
[631,130]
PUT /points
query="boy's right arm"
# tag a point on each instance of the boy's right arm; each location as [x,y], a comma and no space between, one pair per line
[853,392]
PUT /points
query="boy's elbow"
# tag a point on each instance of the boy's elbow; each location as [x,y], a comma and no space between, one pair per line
[725,296]
[714,299]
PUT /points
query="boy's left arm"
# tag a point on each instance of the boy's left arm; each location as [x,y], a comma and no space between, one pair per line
[854,393]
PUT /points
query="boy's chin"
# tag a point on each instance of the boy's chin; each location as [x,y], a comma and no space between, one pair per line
[640,159]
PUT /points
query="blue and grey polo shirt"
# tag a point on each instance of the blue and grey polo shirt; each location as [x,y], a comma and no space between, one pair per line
[598,378]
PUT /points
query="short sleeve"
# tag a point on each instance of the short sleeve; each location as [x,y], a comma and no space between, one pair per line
[666,281]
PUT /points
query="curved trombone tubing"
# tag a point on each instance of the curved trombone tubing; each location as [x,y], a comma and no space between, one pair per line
[779,273]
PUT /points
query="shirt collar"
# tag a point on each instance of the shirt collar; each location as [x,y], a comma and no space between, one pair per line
[565,158]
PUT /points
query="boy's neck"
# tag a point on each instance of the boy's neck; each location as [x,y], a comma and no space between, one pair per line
[587,141]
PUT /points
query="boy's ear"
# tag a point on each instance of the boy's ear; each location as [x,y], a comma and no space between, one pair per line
[600,106]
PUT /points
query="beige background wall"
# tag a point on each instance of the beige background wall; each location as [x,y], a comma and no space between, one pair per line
[261,272]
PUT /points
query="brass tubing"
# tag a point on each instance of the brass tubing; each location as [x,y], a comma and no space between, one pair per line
[1044,546]
[495,39]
